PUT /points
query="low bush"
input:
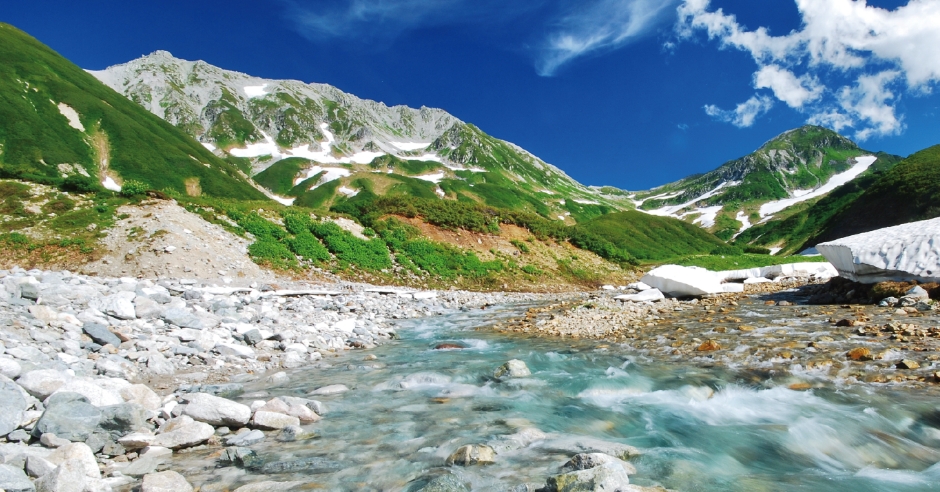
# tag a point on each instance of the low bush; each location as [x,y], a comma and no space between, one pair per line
[308,247]
[273,252]
[133,188]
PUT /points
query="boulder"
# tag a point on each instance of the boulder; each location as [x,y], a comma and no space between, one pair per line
[10,368]
[37,466]
[512,369]
[681,281]
[95,393]
[100,334]
[235,350]
[645,295]
[182,432]
[182,318]
[293,433]
[273,420]
[69,416]
[69,476]
[472,454]
[167,481]
[13,479]
[445,483]
[12,407]
[76,451]
[215,410]
[604,477]
[43,382]
[333,389]
[119,305]
[142,395]
[122,419]
[901,253]
[245,438]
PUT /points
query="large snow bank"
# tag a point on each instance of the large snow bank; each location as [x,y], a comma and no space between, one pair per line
[861,165]
[682,281]
[900,253]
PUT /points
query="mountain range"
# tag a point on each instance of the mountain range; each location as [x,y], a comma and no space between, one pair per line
[190,128]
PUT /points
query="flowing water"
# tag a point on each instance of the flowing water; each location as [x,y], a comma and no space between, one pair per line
[698,427]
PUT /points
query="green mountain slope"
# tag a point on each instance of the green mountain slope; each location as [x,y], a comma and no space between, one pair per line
[907,193]
[314,144]
[651,238]
[56,120]
[742,192]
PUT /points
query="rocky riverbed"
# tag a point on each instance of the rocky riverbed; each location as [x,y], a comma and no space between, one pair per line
[104,378]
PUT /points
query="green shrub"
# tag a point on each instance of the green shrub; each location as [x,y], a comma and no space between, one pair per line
[77,183]
[446,261]
[756,250]
[307,246]
[296,222]
[521,246]
[727,250]
[532,270]
[258,226]
[133,188]
[371,255]
[272,251]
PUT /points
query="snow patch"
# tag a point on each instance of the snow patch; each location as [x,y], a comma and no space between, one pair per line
[707,217]
[280,199]
[670,210]
[209,146]
[774,251]
[440,192]
[745,223]
[586,202]
[253,91]
[861,165]
[71,115]
[331,174]
[110,184]
[323,156]
[348,191]
[900,253]
[409,146]
[433,178]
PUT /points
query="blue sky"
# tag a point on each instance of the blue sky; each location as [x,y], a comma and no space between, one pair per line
[629,93]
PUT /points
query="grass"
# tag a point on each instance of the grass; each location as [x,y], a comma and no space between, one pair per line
[138,145]
[742,261]
[279,177]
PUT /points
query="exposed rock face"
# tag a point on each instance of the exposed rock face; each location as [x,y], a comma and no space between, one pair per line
[900,253]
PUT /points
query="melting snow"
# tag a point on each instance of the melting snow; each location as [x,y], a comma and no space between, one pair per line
[440,192]
[253,91]
[71,115]
[331,174]
[434,178]
[109,183]
[586,202]
[774,251]
[209,146]
[670,210]
[409,146]
[861,165]
[348,191]
[709,214]
[280,199]
[745,223]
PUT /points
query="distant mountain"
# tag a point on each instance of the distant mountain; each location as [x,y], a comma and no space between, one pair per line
[790,171]
[57,121]
[314,145]
[909,192]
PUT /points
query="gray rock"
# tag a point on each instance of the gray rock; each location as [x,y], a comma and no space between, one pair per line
[76,451]
[923,306]
[182,318]
[101,334]
[69,416]
[158,364]
[332,389]
[37,466]
[182,432]
[10,368]
[606,477]
[18,435]
[114,366]
[240,457]
[167,481]
[215,410]
[273,420]
[888,302]
[293,433]
[314,405]
[245,438]
[252,336]
[12,407]
[142,395]
[50,440]
[69,476]
[917,292]
[14,480]
[146,308]
[29,290]
[585,461]
[226,390]
[119,305]
[144,465]
[120,420]
[43,382]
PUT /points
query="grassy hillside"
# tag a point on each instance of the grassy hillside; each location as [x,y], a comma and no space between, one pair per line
[793,232]
[57,120]
[906,193]
[651,238]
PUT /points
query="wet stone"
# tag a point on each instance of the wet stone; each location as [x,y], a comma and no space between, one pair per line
[306,465]
[472,454]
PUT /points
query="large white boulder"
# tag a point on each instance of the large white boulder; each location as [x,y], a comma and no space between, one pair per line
[216,410]
[900,253]
[681,281]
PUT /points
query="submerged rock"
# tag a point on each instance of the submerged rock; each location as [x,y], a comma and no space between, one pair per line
[512,369]
[472,454]
[900,253]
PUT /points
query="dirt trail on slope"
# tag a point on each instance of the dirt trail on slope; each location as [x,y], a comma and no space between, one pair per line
[161,239]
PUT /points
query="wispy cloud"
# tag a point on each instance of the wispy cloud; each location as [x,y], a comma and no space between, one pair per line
[370,19]
[745,114]
[878,50]
[598,26]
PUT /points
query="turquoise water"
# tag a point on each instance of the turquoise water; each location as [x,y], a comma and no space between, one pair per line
[699,428]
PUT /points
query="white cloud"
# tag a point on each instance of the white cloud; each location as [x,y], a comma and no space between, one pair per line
[788,87]
[745,114]
[838,39]
[605,24]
